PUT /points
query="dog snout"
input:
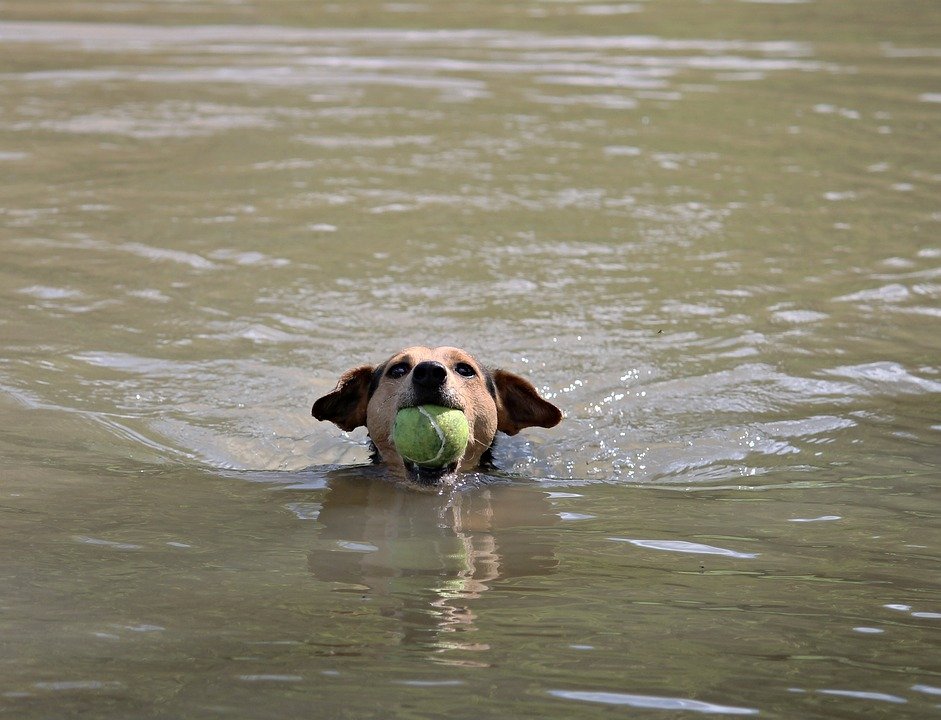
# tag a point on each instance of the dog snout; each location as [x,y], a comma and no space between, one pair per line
[429,375]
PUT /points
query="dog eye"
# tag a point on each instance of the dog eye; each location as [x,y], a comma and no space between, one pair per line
[398,370]
[465,370]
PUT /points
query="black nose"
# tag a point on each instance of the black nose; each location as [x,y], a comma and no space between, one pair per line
[429,374]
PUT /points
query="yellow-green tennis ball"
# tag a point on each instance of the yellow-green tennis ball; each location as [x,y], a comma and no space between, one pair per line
[430,435]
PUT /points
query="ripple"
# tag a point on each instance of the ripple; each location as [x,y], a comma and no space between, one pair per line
[181,257]
[305,510]
[65,685]
[863,695]
[144,628]
[358,547]
[800,316]
[339,61]
[46,292]
[107,543]
[430,683]
[252,257]
[886,377]
[362,142]
[685,547]
[575,516]
[255,332]
[126,37]
[652,702]
[806,427]
[155,122]
[888,293]
[149,294]
[607,10]
[822,518]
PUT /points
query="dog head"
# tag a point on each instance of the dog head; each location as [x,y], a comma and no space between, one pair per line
[492,400]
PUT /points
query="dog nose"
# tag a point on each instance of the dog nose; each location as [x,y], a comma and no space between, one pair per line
[429,374]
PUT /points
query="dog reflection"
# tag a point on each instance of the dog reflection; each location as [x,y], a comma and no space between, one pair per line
[425,558]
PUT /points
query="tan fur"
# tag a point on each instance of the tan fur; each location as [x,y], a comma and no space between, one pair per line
[517,404]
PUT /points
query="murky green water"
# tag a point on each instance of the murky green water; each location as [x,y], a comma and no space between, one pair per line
[709,231]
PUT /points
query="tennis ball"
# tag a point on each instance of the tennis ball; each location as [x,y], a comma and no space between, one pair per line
[430,435]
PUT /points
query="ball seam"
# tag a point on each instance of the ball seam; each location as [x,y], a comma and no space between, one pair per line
[438,430]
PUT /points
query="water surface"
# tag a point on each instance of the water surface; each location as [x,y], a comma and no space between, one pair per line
[707,231]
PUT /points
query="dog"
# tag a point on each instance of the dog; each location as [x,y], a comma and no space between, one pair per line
[492,400]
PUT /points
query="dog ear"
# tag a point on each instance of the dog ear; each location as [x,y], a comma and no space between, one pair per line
[345,407]
[519,405]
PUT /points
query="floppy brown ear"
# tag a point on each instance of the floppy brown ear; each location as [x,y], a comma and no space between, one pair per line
[519,405]
[345,407]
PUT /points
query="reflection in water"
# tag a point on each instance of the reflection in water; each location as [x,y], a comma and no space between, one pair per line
[425,557]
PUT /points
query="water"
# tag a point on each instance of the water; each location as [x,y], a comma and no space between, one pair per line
[707,231]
